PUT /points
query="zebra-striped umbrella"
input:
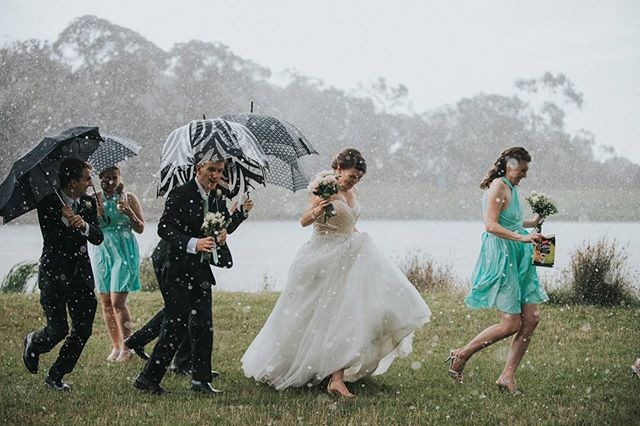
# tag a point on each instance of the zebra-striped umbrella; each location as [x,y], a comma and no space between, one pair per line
[215,139]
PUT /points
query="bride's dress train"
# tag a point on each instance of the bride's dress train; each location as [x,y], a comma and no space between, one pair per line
[345,305]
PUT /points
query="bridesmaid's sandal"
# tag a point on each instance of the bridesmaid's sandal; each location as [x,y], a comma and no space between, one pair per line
[115,353]
[124,355]
[337,392]
[455,375]
[635,369]
[507,386]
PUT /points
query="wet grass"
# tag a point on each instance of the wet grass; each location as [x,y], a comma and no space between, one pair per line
[576,372]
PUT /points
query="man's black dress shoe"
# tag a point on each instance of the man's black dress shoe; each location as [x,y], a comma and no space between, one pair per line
[144,384]
[139,350]
[30,358]
[204,387]
[56,384]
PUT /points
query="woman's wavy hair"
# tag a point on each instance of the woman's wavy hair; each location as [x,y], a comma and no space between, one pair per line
[120,188]
[499,168]
[350,158]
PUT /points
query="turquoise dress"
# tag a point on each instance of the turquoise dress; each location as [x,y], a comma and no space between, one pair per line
[116,262]
[504,276]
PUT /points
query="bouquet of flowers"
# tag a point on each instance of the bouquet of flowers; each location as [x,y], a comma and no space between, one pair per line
[542,205]
[544,253]
[212,224]
[325,185]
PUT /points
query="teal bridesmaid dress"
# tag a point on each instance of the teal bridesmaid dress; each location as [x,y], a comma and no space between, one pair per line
[504,276]
[116,262]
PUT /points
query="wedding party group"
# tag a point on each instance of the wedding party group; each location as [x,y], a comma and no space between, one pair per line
[346,312]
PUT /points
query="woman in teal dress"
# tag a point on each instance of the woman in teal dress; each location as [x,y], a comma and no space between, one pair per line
[504,277]
[116,262]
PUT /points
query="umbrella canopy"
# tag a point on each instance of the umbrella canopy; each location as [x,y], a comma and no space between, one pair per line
[214,139]
[113,150]
[35,175]
[283,144]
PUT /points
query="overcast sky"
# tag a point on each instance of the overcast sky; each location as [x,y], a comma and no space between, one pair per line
[441,50]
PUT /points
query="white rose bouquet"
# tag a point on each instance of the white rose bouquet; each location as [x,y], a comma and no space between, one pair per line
[542,205]
[325,185]
[212,224]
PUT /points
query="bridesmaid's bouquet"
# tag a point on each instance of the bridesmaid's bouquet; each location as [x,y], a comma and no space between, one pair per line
[544,253]
[325,185]
[542,205]
[213,223]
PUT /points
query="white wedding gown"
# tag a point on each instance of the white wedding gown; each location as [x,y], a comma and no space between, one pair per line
[345,305]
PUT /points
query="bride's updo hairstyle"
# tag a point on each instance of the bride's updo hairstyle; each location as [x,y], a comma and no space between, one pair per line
[350,158]
[509,158]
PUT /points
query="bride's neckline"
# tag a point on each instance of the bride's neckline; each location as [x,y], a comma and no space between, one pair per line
[355,201]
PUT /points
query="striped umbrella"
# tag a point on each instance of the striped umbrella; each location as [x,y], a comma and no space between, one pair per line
[213,139]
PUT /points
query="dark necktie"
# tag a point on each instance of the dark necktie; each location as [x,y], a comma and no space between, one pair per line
[205,205]
[75,206]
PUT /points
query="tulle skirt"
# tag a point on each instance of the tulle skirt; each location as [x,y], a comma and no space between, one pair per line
[345,306]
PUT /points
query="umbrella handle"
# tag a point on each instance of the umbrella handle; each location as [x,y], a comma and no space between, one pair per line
[98,201]
[51,183]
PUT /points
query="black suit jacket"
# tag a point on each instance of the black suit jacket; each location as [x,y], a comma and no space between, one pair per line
[182,220]
[64,250]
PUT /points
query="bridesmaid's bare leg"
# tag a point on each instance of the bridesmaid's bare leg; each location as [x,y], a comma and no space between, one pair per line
[123,316]
[509,324]
[111,324]
[530,318]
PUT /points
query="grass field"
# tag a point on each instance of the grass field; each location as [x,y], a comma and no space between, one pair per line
[576,372]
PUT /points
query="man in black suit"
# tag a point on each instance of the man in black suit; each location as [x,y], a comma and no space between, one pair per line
[186,280]
[65,277]
[151,330]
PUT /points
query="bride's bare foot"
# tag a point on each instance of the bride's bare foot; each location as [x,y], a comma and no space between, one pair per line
[339,388]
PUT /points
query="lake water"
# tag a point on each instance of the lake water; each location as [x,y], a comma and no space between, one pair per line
[263,250]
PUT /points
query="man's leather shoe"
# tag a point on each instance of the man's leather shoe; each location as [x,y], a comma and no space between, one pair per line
[144,384]
[204,387]
[30,358]
[56,384]
[139,350]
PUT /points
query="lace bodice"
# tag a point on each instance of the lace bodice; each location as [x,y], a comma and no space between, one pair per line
[342,223]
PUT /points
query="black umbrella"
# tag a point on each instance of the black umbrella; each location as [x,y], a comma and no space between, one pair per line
[35,175]
[113,150]
[283,144]
[212,139]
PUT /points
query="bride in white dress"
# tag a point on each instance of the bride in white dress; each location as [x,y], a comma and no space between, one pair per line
[347,310]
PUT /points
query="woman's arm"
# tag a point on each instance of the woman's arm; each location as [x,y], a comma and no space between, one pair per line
[135,213]
[316,205]
[496,200]
[534,221]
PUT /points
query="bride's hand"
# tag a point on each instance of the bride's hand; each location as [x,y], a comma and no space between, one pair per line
[319,207]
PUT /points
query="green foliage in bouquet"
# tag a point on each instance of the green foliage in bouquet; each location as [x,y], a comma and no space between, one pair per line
[541,204]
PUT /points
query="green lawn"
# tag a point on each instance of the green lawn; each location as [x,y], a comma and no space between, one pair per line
[576,372]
